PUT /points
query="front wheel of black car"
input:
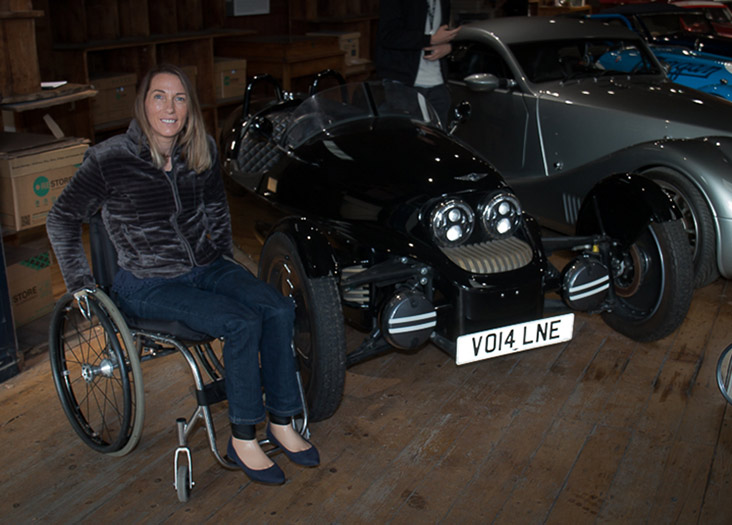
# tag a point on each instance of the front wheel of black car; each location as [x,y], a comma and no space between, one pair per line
[697,222]
[320,342]
[653,283]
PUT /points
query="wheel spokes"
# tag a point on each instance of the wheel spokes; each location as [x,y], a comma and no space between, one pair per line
[94,376]
[688,218]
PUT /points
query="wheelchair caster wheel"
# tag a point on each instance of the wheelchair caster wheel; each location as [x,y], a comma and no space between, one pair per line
[724,373]
[183,484]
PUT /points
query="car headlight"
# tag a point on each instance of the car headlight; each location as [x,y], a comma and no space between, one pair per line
[501,215]
[452,222]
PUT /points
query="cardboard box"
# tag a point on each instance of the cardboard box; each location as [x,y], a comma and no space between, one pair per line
[29,280]
[348,42]
[8,340]
[231,77]
[33,171]
[115,99]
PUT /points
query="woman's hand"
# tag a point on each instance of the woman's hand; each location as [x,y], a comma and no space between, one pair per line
[443,35]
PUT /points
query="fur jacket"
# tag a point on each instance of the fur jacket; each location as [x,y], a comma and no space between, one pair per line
[162,224]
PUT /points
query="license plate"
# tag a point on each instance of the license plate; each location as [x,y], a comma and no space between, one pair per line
[515,338]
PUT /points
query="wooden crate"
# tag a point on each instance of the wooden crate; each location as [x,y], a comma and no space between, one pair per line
[115,99]
[285,57]
[348,42]
[231,77]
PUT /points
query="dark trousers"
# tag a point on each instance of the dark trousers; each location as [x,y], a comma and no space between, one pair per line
[256,322]
[439,97]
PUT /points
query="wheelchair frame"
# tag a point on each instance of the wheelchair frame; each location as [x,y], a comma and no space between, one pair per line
[96,354]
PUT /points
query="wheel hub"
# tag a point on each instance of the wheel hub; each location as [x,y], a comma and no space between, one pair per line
[629,272]
[89,372]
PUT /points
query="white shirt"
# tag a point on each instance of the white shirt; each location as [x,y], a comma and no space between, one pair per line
[429,73]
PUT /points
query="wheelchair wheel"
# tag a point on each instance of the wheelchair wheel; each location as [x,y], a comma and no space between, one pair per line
[183,483]
[724,373]
[97,374]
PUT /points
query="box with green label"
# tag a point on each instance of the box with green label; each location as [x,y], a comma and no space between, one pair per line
[115,98]
[34,169]
[29,280]
[231,77]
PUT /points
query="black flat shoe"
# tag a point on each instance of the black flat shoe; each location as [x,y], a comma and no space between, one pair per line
[270,476]
[305,458]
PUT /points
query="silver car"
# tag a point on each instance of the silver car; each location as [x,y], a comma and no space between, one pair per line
[553,116]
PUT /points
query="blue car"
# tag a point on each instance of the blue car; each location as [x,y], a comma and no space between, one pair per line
[695,69]
[667,25]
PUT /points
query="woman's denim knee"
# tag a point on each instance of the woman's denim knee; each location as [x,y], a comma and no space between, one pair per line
[256,322]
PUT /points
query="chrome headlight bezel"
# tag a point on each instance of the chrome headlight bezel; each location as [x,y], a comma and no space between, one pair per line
[452,222]
[500,215]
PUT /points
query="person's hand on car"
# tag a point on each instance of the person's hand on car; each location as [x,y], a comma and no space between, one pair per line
[443,35]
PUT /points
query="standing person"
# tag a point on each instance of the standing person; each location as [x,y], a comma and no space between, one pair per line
[163,203]
[412,39]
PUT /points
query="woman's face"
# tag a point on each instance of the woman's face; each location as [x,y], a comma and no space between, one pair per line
[166,107]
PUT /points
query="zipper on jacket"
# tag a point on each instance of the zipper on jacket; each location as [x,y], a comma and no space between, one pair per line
[173,180]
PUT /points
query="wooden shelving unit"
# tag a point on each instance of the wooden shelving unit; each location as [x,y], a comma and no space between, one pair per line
[347,16]
[94,38]
[88,39]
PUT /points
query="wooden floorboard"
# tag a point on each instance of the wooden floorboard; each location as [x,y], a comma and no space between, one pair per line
[596,430]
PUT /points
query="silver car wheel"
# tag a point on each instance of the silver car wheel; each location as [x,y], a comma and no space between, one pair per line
[688,217]
[697,221]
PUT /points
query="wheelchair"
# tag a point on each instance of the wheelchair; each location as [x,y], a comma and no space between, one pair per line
[96,353]
[724,373]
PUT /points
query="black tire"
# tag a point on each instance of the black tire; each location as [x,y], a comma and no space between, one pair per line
[698,223]
[320,341]
[98,381]
[653,283]
[183,483]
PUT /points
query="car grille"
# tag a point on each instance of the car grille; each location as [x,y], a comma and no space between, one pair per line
[572,205]
[491,257]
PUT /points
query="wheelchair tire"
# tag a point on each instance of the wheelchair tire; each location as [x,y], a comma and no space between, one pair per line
[724,374]
[97,374]
[182,483]
[320,341]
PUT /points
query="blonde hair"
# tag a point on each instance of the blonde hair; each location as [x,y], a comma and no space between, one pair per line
[192,138]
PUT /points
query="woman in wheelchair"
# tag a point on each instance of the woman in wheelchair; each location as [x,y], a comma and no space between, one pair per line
[162,200]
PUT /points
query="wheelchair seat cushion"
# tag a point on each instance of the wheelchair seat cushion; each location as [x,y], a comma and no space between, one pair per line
[174,329]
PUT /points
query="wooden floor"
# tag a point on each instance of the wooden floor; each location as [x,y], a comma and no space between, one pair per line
[598,430]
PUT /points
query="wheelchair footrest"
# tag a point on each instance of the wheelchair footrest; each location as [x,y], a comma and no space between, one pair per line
[212,393]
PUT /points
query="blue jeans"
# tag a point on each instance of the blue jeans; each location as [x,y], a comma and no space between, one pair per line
[256,322]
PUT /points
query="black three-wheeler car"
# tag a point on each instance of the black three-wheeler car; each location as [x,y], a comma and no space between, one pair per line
[388,223]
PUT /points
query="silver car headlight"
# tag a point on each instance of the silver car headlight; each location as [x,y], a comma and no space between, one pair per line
[501,215]
[452,222]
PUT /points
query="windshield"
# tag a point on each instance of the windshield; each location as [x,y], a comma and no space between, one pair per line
[334,106]
[721,15]
[669,24]
[581,58]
